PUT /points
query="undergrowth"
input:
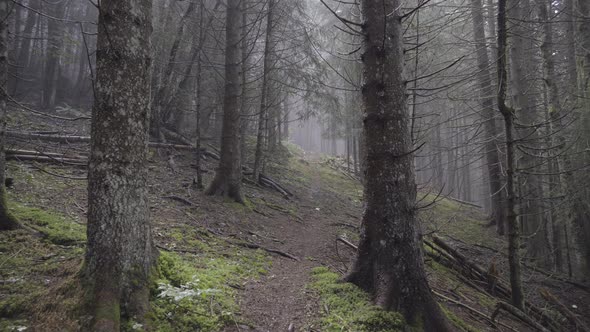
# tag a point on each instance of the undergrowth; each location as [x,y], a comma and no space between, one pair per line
[199,292]
[347,308]
[53,226]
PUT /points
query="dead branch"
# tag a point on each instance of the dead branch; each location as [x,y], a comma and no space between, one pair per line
[345,225]
[348,243]
[273,251]
[518,314]
[564,310]
[184,251]
[463,202]
[473,310]
[180,199]
[68,161]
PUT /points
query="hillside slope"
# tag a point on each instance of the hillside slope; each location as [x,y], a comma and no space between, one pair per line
[271,265]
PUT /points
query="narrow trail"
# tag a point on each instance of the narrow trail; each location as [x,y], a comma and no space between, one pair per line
[279,299]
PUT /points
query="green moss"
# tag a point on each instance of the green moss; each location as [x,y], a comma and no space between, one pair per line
[200,293]
[348,308]
[14,305]
[458,322]
[12,325]
[57,228]
[242,208]
[459,221]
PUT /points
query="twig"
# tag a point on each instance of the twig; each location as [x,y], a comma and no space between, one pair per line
[348,243]
[256,246]
[180,199]
[463,305]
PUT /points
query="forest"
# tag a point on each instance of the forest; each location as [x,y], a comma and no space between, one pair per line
[295,165]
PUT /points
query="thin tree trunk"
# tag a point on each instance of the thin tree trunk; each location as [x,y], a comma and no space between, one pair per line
[390,264]
[120,254]
[554,118]
[228,177]
[7,220]
[508,115]
[199,99]
[245,105]
[263,111]
[582,225]
[54,47]
[493,164]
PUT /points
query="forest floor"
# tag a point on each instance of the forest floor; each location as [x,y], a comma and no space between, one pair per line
[211,277]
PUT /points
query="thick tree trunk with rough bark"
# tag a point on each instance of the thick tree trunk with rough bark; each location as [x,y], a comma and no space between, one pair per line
[7,221]
[513,227]
[390,260]
[228,178]
[120,254]
[493,164]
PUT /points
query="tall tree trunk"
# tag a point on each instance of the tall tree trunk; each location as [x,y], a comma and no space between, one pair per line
[120,254]
[168,69]
[199,99]
[228,178]
[7,221]
[508,115]
[584,35]
[555,113]
[493,164]
[263,111]
[54,47]
[245,105]
[390,264]
[524,102]
[24,50]
[582,224]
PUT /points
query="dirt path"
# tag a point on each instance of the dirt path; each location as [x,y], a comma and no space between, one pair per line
[279,300]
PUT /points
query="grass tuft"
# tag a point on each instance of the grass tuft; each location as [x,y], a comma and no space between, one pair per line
[347,308]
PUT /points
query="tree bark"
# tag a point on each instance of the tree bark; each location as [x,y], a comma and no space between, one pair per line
[556,183]
[522,60]
[582,225]
[390,264]
[120,254]
[263,111]
[7,220]
[54,48]
[508,115]
[493,164]
[228,178]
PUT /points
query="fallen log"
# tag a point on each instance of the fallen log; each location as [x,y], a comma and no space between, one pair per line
[518,314]
[48,137]
[84,139]
[42,153]
[275,185]
[264,179]
[473,310]
[68,161]
[564,310]
[501,286]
